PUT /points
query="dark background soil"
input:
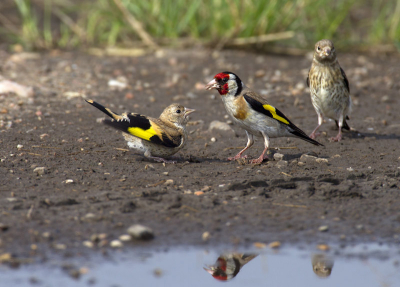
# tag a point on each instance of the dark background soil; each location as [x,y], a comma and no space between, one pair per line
[355,194]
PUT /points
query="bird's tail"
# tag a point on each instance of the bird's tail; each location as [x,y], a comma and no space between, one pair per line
[105,110]
[294,130]
[345,125]
[299,133]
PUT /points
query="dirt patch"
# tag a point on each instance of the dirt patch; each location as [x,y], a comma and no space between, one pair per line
[90,184]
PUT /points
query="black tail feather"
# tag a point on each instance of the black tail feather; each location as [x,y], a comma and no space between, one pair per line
[345,125]
[100,107]
[299,133]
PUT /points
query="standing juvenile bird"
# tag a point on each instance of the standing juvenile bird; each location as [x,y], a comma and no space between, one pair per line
[329,88]
[157,138]
[253,113]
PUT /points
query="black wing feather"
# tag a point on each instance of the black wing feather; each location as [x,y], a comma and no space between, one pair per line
[292,128]
[123,123]
[346,81]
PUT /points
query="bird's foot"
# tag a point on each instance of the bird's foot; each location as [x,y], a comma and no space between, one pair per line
[313,135]
[258,160]
[237,157]
[160,159]
[337,138]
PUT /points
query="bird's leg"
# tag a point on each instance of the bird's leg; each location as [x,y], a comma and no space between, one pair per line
[338,138]
[266,144]
[250,142]
[314,134]
[158,159]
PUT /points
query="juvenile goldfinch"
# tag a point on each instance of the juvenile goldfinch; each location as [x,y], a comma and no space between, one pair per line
[329,88]
[157,138]
[253,113]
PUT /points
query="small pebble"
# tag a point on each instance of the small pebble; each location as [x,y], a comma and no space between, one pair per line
[157,272]
[307,158]
[40,170]
[165,173]
[259,245]
[205,236]
[323,228]
[278,156]
[116,244]
[323,247]
[275,244]
[169,182]
[282,163]
[46,234]
[88,244]
[149,166]
[138,231]
[60,246]
[125,237]
[349,169]
[322,160]
[69,181]
[20,146]
[213,139]
[198,193]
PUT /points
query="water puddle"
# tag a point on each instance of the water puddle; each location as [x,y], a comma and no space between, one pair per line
[361,265]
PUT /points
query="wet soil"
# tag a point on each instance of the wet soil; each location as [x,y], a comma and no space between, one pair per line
[92,184]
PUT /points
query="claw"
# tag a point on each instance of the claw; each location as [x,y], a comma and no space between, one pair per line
[260,159]
[237,157]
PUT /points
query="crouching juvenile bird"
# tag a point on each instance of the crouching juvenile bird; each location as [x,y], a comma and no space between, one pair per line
[157,138]
[253,113]
[329,88]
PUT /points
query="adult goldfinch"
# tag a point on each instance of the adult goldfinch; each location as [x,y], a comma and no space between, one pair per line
[253,113]
[329,88]
[157,138]
[228,265]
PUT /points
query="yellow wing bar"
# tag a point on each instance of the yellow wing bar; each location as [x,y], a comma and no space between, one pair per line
[275,115]
[141,133]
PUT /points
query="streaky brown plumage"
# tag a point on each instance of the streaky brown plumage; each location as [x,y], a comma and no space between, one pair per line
[329,88]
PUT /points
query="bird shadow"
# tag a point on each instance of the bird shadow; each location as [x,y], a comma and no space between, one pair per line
[362,135]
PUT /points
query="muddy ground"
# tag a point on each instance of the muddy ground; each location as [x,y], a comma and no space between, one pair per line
[355,194]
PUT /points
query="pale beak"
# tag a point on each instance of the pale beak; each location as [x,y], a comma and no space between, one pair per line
[212,85]
[327,51]
[209,269]
[188,111]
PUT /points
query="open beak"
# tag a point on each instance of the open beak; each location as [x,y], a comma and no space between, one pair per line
[188,111]
[212,85]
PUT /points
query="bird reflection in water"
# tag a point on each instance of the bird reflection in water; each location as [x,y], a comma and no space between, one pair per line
[322,265]
[228,265]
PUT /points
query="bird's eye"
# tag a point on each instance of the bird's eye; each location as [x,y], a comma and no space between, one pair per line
[178,111]
[318,48]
